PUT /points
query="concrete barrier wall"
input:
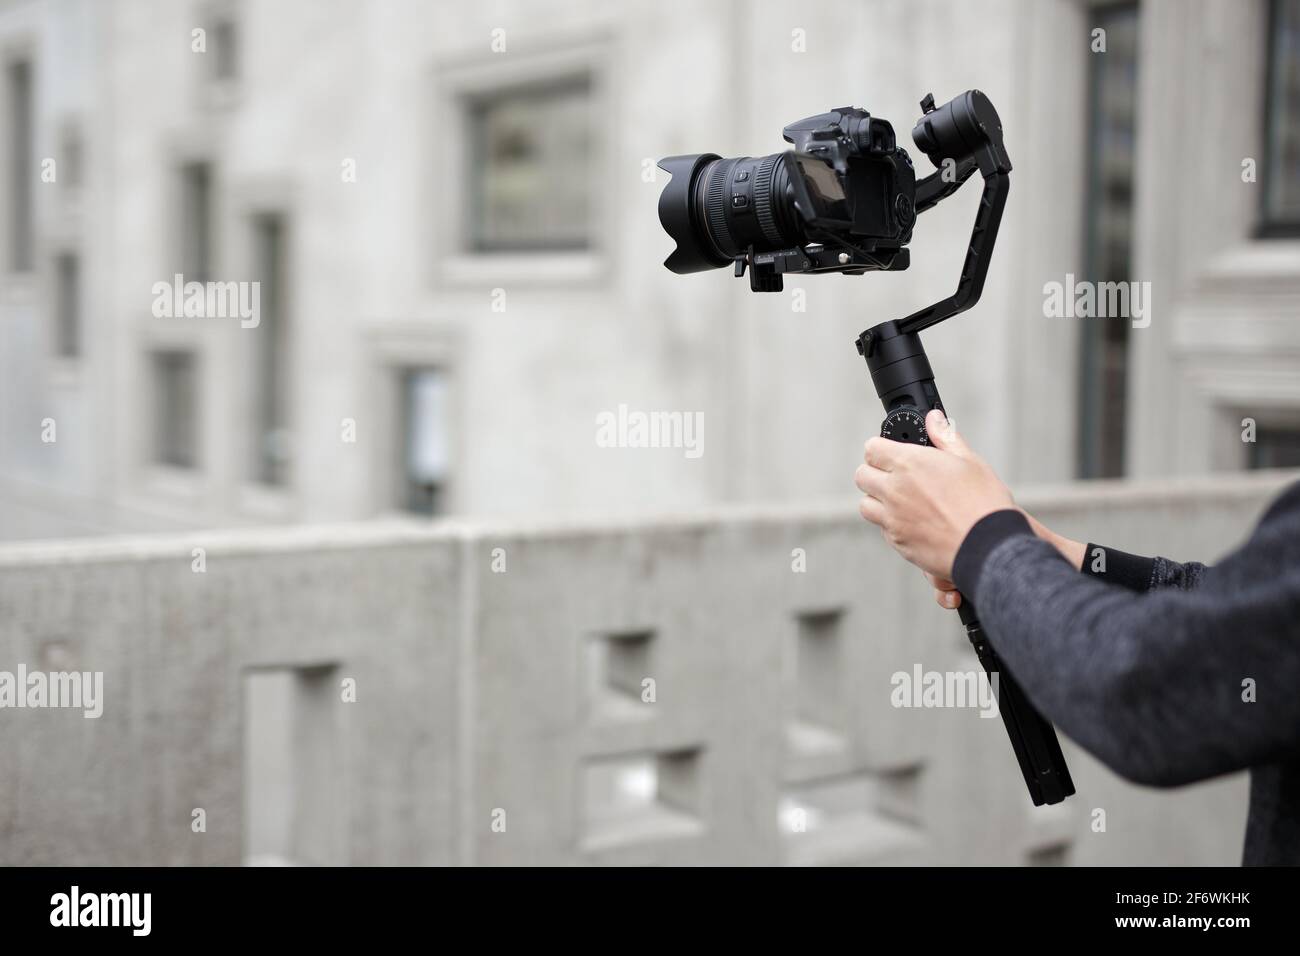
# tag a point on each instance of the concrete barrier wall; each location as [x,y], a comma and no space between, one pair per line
[660,692]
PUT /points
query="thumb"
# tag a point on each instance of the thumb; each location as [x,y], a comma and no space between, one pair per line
[943,434]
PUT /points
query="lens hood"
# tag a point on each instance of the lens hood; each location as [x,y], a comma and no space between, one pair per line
[681,212]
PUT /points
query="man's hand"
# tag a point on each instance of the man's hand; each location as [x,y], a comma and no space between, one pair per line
[926,499]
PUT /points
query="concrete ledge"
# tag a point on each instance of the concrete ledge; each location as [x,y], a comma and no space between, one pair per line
[1221,489]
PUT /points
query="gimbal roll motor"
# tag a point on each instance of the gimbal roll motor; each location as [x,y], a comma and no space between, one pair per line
[845,200]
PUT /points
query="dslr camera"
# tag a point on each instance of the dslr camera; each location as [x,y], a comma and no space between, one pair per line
[843,200]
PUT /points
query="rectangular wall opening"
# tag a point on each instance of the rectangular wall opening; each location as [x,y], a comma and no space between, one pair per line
[293,785]
[850,819]
[818,723]
[638,797]
[617,665]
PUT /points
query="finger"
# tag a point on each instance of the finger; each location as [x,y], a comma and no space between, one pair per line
[943,434]
[871,509]
[948,599]
[871,481]
[938,583]
[882,453]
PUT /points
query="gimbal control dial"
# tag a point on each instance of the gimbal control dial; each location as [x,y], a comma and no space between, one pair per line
[906,423]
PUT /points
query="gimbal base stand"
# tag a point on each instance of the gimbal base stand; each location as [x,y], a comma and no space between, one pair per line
[963,135]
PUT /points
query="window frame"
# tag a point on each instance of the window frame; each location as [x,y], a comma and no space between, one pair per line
[153,457]
[1092,341]
[214,91]
[20,51]
[474,105]
[282,397]
[396,346]
[402,373]
[456,83]
[1267,227]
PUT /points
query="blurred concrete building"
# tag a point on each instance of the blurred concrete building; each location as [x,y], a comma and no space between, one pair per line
[451,216]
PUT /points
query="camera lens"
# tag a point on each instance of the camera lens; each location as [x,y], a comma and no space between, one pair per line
[716,208]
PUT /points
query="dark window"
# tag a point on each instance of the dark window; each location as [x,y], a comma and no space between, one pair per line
[175,408]
[530,169]
[1280,175]
[67,305]
[21,183]
[424,440]
[1108,239]
[72,171]
[270,336]
[224,38]
[196,222]
[1275,448]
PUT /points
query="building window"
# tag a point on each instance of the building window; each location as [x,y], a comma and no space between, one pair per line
[175,411]
[1280,215]
[67,305]
[423,445]
[1108,239]
[270,452]
[196,222]
[223,39]
[1275,448]
[72,169]
[530,168]
[21,146]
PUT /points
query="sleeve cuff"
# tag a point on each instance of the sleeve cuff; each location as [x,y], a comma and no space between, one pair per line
[989,532]
[1118,567]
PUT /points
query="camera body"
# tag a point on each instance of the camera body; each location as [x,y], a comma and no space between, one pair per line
[870,200]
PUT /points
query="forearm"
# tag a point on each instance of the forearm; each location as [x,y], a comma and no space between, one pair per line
[1149,683]
[1073,551]
[1133,571]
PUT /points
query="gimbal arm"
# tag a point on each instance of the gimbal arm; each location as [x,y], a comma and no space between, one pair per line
[942,183]
[959,137]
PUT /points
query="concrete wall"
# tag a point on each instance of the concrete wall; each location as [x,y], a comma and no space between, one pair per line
[498,680]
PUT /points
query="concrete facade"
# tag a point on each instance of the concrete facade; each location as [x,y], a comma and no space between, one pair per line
[380,278]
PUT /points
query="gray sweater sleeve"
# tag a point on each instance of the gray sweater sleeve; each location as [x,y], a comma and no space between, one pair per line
[1164,686]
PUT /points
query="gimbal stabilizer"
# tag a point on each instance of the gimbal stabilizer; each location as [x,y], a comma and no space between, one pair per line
[963,135]
[844,200]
